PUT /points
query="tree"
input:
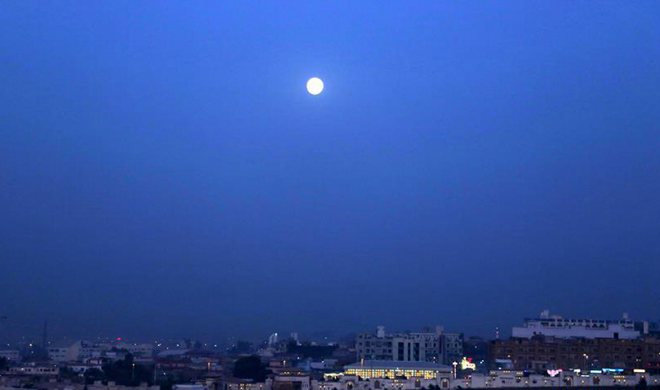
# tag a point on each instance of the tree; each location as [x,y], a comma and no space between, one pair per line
[642,383]
[127,373]
[68,373]
[4,363]
[250,367]
[93,374]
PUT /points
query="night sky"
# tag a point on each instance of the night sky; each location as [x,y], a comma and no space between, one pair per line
[164,173]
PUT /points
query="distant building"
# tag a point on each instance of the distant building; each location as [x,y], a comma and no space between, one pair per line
[10,354]
[61,354]
[380,369]
[188,387]
[476,348]
[246,384]
[273,339]
[98,385]
[144,350]
[292,380]
[78,351]
[557,326]
[81,368]
[34,370]
[415,347]
[391,375]
[542,353]
[451,347]
[648,328]
[85,350]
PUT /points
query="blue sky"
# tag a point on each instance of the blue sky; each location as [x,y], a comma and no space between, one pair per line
[165,173]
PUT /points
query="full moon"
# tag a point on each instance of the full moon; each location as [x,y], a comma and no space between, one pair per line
[314,85]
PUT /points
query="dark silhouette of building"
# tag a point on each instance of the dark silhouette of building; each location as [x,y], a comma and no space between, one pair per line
[542,353]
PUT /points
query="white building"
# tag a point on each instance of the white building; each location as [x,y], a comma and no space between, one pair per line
[78,351]
[404,347]
[557,326]
[388,369]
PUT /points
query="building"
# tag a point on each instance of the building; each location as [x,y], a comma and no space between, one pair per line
[404,347]
[542,353]
[648,328]
[246,384]
[451,347]
[443,379]
[142,350]
[35,370]
[10,354]
[291,381]
[61,354]
[78,351]
[476,349]
[380,369]
[557,326]
[98,385]
[563,379]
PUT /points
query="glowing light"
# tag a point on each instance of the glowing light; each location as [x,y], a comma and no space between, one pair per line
[466,364]
[554,373]
[315,86]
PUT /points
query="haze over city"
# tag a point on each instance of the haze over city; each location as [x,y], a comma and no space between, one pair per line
[167,170]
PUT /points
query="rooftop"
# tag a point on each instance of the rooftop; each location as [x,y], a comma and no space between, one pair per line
[390,364]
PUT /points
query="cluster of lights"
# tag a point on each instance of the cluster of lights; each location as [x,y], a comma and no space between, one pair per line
[391,373]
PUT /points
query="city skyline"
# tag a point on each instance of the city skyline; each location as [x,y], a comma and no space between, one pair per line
[327,336]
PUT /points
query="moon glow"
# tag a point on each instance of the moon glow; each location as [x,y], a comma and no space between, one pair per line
[315,86]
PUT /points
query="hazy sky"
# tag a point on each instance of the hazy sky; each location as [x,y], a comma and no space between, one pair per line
[163,171]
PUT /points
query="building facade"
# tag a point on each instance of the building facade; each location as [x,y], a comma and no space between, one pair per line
[451,347]
[10,354]
[61,354]
[380,369]
[557,326]
[404,347]
[541,353]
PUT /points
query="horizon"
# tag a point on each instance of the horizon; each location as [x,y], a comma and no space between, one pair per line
[313,336]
